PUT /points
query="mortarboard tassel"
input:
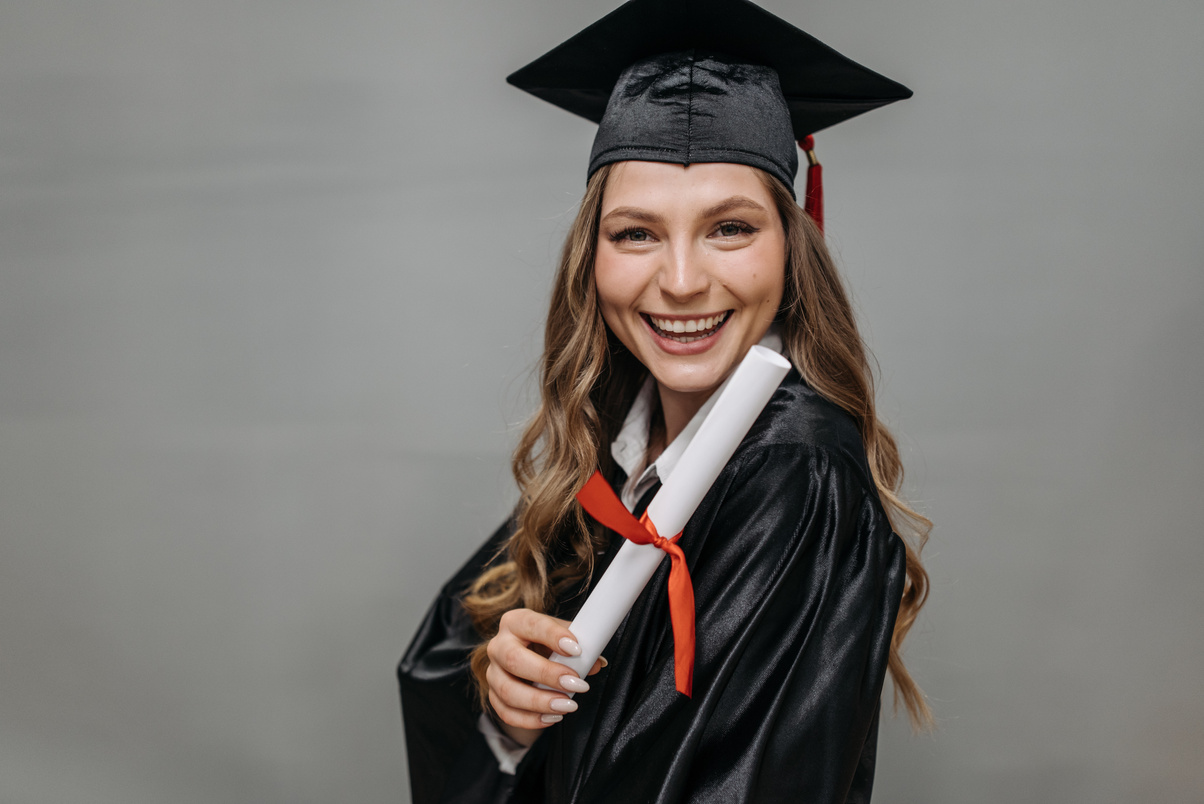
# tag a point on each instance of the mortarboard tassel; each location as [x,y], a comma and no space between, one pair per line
[813,203]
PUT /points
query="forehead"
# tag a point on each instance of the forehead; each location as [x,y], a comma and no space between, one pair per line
[662,186]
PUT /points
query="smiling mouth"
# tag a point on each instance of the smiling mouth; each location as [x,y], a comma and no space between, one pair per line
[686,330]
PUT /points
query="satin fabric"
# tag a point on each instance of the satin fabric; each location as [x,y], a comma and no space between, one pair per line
[693,107]
[797,578]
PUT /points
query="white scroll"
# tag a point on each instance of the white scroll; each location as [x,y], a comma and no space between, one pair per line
[720,426]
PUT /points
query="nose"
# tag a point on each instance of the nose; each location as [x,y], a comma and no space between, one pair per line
[683,275]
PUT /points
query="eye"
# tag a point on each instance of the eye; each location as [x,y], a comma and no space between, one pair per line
[632,234]
[734,229]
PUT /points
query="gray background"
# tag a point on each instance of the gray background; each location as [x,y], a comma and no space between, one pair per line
[272,277]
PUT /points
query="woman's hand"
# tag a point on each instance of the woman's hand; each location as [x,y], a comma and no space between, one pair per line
[517,660]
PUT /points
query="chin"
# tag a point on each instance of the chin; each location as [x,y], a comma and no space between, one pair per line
[691,383]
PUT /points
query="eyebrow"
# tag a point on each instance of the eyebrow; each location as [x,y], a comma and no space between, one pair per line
[727,205]
[632,213]
[732,204]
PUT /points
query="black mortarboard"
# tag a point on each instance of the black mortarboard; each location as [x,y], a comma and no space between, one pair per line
[689,81]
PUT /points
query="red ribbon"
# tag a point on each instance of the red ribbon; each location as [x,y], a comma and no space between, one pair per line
[600,501]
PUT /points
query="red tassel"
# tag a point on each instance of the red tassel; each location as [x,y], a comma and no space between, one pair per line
[813,202]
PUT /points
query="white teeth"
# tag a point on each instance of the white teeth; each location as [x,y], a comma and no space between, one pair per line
[704,325]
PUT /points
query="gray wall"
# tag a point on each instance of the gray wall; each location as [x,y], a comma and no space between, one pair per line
[271,282]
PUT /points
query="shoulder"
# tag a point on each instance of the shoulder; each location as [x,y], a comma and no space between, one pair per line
[795,509]
[803,427]
[800,477]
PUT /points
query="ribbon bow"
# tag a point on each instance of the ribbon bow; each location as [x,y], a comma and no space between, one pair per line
[600,501]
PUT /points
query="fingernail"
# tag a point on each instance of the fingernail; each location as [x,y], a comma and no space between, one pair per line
[563,705]
[573,684]
[569,647]
[604,662]
[551,718]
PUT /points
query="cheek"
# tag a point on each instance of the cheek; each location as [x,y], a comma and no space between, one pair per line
[616,290]
[760,281]
[776,289]
[611,295]
[775,276]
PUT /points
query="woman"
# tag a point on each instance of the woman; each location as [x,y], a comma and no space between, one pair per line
[688,249]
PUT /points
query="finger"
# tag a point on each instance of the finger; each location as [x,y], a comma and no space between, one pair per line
[533,627]
[518,695]
[516,717]
[516,658]
[598,665]
[567,645]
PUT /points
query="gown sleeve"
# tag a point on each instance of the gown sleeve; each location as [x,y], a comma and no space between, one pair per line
[797,578]
[449,760]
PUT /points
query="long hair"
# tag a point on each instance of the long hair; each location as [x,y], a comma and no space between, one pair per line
[821,337]
[588,381]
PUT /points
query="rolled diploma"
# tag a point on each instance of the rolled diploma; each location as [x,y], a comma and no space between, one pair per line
[735,407]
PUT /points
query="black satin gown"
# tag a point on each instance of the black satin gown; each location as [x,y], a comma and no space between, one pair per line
[797,580]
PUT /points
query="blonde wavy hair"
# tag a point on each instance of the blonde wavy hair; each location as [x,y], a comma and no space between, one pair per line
[588,381]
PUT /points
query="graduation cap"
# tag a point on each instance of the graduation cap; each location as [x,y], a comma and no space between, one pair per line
[689,81]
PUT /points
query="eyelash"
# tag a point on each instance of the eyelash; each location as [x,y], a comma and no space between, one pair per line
[741,225]
[625,234]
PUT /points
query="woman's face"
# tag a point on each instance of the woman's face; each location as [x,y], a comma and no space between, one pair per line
[690,268]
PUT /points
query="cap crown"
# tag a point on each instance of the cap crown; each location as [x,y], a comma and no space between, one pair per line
[695,107]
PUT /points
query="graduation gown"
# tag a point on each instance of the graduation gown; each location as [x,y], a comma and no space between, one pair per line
[797,580]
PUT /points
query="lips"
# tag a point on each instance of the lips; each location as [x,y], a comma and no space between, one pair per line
[686,330]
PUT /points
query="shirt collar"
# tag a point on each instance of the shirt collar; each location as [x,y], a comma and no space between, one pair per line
[631,443]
